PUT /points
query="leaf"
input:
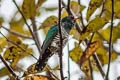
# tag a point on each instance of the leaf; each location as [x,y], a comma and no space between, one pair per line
[18,26]
[93,26]
[38,77]
[92,47]
[96,24]
[76,53]
[102,51]
[86,68]
[3,42]
[76,8]
[1,21]
[40,2]
[106,33]
[75,34]
[49,22]
[4,72]
[29,9]
[102,54]
[94,4]
[116,8]
[65,13]
[14,53]
[31,69]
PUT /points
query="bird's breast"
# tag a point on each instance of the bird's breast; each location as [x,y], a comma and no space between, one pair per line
[55,45]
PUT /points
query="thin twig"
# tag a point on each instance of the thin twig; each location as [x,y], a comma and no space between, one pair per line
[97,60]
[35,30]
[98,64]
[18,46]
[103,5]
[68,64]
[9,68]
[17,34]
[32,33]
[81,16]
[91,69]
[60,34]
[68,6]
[110,42]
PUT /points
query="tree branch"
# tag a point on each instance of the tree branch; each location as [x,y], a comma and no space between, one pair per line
[17,34]
[18,46]
[91,69]
[9,68]
[110,42]
[32,33]
[68,6]
[60,34]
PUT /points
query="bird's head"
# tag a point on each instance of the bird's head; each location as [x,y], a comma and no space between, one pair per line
[68,22]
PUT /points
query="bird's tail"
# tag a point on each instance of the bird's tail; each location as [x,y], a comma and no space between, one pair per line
[43,60]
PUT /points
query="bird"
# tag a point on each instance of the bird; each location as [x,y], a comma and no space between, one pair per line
[51,44]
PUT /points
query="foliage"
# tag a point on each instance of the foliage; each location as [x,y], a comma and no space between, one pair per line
[14,49]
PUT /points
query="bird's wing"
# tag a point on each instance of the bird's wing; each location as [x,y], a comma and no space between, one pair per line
[49,38]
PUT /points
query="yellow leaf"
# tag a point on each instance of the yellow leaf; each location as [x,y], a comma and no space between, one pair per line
[31,69]
[106,33]
[96,24]
[102,54]
[14,53]
[64,14]
[76,8]
[4,71]
[89,51]
[49,22]
[93,26]
[76,53]
[3,42]
[108,6]
[75,34]
[18,26]
[1,21]
[86,69]
[94,4]
[29,9]
[38,77]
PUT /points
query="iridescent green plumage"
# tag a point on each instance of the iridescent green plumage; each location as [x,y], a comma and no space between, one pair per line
[51,42]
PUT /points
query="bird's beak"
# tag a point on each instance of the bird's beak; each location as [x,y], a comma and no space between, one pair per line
[75,19]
